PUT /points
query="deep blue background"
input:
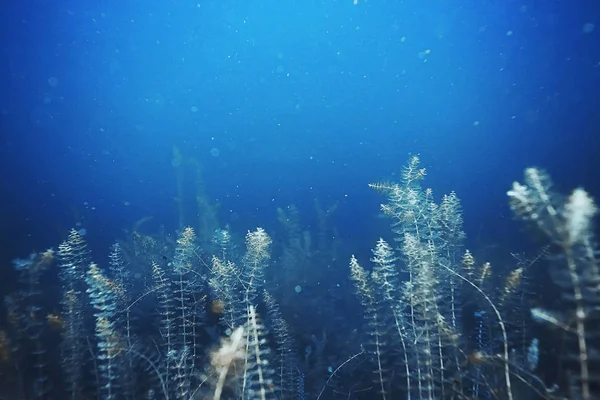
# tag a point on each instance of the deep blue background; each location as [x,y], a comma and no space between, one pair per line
[301,99]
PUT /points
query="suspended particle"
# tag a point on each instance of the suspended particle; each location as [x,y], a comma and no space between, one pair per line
[298,289]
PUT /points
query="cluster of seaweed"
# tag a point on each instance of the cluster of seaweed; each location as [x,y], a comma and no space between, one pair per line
[198,318]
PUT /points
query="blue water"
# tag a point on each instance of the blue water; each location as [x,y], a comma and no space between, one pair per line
[278,102]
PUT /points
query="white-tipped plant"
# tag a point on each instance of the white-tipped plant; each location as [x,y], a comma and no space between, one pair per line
[224,359]
[567,225]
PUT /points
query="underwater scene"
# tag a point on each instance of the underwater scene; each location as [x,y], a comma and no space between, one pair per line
[285,199]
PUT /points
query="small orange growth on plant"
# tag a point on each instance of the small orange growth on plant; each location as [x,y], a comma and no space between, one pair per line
[55,321]
[217,307]
[47,257]
[477,357]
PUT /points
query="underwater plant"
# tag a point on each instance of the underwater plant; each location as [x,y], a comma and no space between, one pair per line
[212,322]
[575,269]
